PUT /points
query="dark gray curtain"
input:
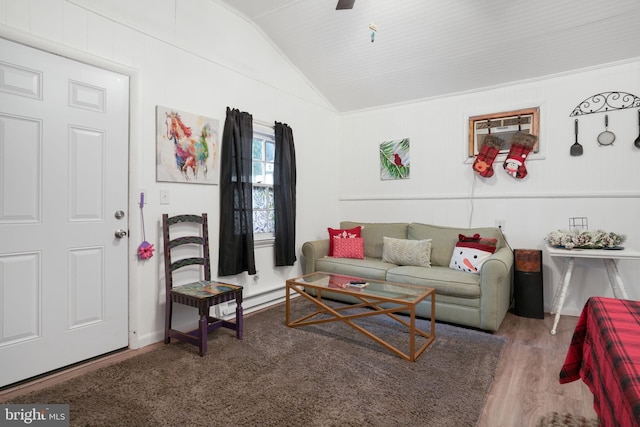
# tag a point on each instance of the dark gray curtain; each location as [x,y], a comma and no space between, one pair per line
[284,191]
[236,214]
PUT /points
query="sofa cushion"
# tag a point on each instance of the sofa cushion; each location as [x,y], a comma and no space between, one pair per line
[374,232]
[342,234]
[349,248]
[445,280]
[368,268]
[444,239]
[406,252]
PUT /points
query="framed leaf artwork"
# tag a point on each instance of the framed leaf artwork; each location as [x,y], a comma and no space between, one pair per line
[394,159]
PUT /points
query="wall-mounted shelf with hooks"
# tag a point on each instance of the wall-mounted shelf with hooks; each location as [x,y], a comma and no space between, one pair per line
[606,101]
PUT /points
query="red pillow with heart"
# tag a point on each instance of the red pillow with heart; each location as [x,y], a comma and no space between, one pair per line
[334,234]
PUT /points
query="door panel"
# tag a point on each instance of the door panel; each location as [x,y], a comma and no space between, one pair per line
[20,202]
[64,159]
[20,298]
[86,189]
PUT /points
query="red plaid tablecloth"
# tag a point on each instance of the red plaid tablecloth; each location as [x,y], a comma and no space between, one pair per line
[605,353]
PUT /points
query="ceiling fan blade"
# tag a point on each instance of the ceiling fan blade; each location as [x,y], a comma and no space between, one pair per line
[345,4]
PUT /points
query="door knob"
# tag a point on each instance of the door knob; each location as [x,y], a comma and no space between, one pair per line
[120,233]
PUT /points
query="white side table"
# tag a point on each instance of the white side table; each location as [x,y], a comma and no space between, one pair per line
[609,258]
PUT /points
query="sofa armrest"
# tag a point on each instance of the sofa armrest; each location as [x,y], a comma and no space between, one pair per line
[312,251]
[495,288]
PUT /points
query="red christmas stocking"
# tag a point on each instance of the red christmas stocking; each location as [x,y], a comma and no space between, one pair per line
[521,145]
[487,155]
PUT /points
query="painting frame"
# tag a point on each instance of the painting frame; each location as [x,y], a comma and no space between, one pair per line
[186,147]
[503,125]
[395,159]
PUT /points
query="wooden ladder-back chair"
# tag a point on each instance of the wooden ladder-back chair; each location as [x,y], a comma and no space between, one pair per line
[193,239]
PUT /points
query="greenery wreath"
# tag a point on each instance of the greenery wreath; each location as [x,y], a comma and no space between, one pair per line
[577,239]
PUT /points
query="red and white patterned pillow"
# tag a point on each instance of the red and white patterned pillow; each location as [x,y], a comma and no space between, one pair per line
[335,234]
[349,248]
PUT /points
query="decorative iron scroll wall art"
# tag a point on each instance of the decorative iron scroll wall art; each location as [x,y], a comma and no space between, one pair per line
[606,101]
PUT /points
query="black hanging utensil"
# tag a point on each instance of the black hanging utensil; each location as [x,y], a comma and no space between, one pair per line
[345,4]
[576,148]
[637,141]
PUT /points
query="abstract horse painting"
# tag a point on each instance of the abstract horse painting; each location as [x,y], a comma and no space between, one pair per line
[186,147]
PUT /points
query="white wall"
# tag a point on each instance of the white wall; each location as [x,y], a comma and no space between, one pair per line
[196,56]
[603,184]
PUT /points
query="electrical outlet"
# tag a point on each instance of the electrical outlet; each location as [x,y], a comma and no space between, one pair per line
[231,308]
[223,309]
[500,224]
[164,197]
[226,309]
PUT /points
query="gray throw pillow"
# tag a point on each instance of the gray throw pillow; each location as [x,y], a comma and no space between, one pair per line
[406,252]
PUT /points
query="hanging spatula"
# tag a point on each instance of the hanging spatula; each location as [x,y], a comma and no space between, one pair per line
[345,4]
[637,141]
[576,148]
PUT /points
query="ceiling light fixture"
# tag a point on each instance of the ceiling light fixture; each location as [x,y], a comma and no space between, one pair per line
[374,29]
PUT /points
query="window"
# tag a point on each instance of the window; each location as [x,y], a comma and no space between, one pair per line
[263,153]
[503,126]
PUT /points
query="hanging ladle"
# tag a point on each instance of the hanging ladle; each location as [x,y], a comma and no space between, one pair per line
[637,141]
[576,148]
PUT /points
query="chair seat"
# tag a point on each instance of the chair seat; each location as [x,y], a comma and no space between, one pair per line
[217,292]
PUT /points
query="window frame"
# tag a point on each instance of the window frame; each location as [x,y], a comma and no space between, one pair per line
[478,127]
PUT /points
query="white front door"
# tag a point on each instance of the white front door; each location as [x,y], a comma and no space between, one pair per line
[63,177]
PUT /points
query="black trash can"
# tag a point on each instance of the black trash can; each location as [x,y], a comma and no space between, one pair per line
[527,283]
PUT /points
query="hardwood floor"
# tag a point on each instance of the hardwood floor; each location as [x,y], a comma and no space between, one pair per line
[525,387]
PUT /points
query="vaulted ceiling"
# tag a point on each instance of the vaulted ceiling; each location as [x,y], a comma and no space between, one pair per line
[431,48]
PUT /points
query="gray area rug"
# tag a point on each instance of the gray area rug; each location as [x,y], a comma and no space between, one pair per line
[323,375]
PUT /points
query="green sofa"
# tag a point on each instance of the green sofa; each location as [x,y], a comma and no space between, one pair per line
[475,300]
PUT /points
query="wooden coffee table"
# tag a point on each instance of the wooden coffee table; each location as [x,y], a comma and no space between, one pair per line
[384,298]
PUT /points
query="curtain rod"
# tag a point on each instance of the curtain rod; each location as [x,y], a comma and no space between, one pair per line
[263,123]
